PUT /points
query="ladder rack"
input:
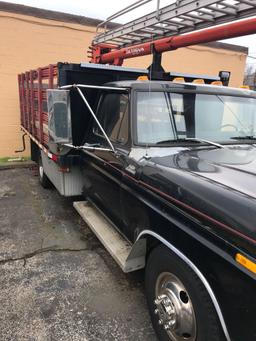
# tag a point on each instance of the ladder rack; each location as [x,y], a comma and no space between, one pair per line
[183,16]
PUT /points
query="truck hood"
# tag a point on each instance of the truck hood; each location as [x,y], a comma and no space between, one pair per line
[218,183]
[233,167]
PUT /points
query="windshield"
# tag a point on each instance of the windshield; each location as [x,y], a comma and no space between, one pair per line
[163,116]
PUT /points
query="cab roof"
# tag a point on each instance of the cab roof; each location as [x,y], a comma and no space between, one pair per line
[187,87]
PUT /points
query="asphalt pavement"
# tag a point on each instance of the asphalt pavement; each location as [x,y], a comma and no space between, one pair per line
[57,282]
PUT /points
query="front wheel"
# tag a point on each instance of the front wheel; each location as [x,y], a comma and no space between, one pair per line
[179,305]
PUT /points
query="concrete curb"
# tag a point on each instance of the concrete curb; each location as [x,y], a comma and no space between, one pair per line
[21,164]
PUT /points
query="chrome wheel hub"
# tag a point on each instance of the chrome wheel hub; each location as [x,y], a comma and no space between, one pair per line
[174,308]
[166,311]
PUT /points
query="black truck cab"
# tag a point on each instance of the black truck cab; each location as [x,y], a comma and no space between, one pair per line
[182,175]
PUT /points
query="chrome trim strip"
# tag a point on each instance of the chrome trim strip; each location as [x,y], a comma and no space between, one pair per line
[87,147]
[88,86]
[199,274]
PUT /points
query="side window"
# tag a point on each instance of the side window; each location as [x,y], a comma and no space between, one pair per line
[113,115]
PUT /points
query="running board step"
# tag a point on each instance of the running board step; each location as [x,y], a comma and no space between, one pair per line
[129,258]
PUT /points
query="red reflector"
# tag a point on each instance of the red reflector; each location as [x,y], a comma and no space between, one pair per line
[54,157]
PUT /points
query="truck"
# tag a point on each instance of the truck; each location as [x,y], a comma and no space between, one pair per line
[165,163]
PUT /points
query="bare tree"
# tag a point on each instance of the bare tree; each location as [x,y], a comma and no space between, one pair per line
[250,76]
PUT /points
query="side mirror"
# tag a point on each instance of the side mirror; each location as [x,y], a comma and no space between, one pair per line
[59,116]
[224,77]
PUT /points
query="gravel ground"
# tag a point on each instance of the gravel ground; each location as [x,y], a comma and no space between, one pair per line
[57,282]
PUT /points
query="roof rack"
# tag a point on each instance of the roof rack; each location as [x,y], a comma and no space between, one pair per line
[183,16]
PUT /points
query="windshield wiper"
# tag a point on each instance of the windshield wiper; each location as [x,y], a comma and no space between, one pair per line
[173,140]
[192,139]
[249,137]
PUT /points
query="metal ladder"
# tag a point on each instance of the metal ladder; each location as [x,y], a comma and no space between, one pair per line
[180,17]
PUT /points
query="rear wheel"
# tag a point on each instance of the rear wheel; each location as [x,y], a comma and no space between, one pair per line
[43,179]
[180,307]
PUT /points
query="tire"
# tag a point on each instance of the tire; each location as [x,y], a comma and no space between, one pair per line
[43,179]
[177,297]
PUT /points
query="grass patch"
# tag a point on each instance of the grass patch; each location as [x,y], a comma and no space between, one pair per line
[5,160]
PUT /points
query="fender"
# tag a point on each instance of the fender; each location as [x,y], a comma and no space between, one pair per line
[181,255]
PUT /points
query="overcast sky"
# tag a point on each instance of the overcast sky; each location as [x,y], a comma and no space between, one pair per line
[101,9]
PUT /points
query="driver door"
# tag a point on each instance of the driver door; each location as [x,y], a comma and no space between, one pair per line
[103,168]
